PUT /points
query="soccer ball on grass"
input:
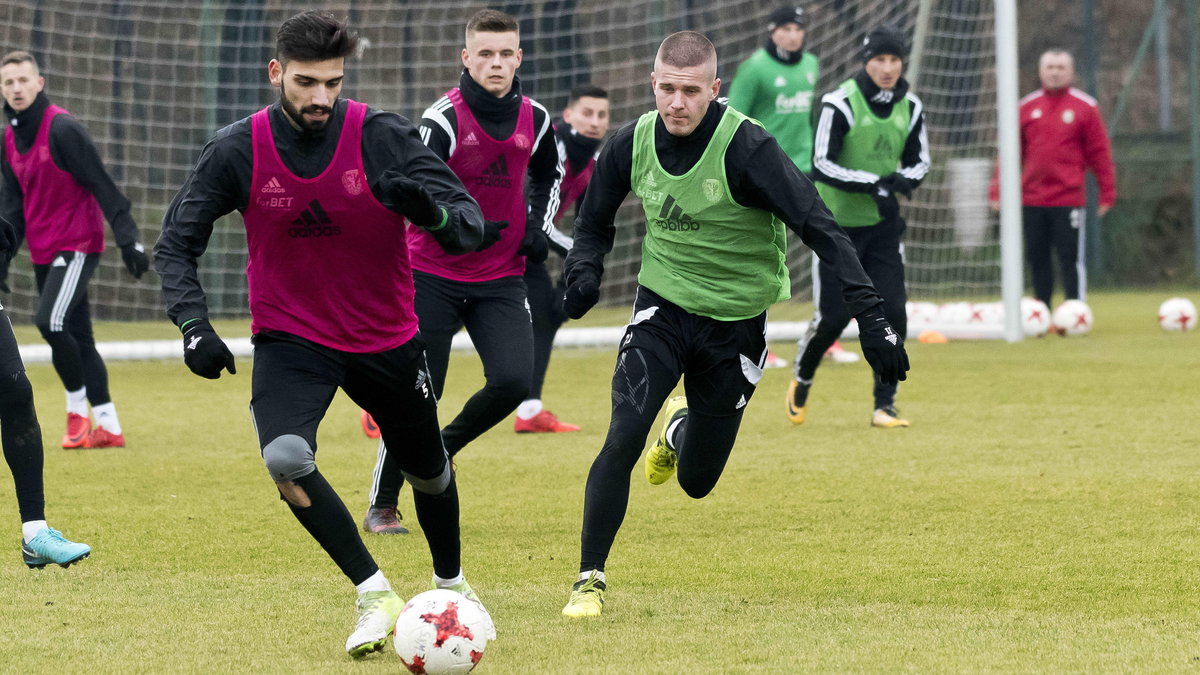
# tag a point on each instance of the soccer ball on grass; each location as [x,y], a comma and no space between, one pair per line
[1177,315]
[441,631]
[1073,318]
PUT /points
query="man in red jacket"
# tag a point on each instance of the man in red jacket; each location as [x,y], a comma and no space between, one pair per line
[1062,135]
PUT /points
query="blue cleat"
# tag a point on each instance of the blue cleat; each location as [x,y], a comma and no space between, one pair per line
[48,546]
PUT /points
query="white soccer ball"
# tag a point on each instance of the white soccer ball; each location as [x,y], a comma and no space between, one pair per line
[441,631]
[921,314]
[1035,317]
[1073,317]
[954,314]
[1177,315]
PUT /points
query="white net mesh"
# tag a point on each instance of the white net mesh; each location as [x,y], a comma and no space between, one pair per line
[152,81]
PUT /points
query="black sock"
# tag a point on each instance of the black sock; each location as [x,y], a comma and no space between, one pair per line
[438,515]
[328,521]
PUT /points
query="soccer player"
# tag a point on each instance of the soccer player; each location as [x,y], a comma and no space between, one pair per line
[776,87]
[578,133]
[871,146]
[55,190]
[325,185]
[22,439]
[717,192]
[501,144]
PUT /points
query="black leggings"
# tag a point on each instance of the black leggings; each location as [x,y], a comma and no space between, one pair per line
[546,310]
[62,317]
[19,430]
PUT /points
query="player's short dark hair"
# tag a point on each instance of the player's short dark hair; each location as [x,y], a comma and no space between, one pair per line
[686,49]
[19,56]
[1056,50]
[492,21]
[589,90]
[314,35]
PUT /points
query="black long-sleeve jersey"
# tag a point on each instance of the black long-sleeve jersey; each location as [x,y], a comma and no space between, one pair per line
[760,175]
[220,184]
[834,123]
[73,151]
[498,118]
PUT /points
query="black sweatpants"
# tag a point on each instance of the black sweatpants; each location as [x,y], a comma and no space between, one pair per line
[64,320]
[881,252]
[546,310]
[496,316]
[293,384]
[1057,229]
[19,430]
[720,363]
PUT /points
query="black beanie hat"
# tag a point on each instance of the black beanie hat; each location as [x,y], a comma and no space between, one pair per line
[885,40]
[789,14]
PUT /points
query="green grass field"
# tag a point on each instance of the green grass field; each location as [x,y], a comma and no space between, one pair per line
[1040,515]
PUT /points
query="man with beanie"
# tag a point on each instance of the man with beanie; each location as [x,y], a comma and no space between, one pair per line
[776,86]
[870,147]
[56,194]
[1062,136]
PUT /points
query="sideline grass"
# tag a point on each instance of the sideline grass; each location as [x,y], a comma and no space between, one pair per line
[1040,515]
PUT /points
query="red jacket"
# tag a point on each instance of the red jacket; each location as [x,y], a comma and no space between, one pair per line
[1062,135]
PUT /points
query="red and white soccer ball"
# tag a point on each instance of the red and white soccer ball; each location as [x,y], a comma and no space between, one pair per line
[1073,318]
[1177,315]
[441,632]
[1035,317]
[921,315]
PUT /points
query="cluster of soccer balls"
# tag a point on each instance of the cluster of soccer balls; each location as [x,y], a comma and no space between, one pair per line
[1071,318]
[441,632]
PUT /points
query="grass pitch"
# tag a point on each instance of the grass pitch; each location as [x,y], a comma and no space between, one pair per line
[1040,515]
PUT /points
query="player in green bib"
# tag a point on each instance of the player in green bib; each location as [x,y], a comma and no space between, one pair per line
[870,146]
[717,191]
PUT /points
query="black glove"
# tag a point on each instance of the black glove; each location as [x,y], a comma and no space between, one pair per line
[534,246]
[581,295]
[491,233]
[882,346]
[889,206]
[203,351]
[897,184]
[413,200]
[134,256]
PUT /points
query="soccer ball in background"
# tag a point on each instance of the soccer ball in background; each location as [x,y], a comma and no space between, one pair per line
[441,631]
[1177,315]
[1073,318]
[1035,317]
[921,315]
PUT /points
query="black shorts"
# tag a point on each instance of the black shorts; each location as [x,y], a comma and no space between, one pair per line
[295,380]
[721,361]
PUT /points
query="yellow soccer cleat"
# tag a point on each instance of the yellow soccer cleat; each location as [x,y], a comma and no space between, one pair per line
[587,598]
[888,418]
[662,459]
[797,401]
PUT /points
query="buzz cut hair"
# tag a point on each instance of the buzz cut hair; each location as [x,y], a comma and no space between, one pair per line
[588,90]
[686,49]
[492,21]
[315,35]
[19,56]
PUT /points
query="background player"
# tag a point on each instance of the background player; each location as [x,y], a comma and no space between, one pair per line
[501,144]
[717,191]
[55,189]
[871,146]
[324,185]
[578,136]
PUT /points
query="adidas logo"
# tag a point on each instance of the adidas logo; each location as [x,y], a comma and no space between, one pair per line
[741,403]
[273,187]
[470,139]
[496,175]
[883,149]
[672,218]
[313,222]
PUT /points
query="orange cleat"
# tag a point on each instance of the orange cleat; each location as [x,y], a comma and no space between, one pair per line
[103,438]
[543,422]
[369,427]
[79,429]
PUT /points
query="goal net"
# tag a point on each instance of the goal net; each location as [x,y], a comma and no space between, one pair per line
[153,80]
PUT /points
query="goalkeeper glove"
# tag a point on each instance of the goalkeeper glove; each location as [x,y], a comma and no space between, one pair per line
[134,257]
[203,352]
[581,295]
[882,346]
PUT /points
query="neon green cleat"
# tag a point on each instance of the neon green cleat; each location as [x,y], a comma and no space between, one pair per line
[377,614]
[464,589]
[662,459]
[587,598]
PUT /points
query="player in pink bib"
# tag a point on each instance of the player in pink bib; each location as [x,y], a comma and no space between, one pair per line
[501,144]
[326,187]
